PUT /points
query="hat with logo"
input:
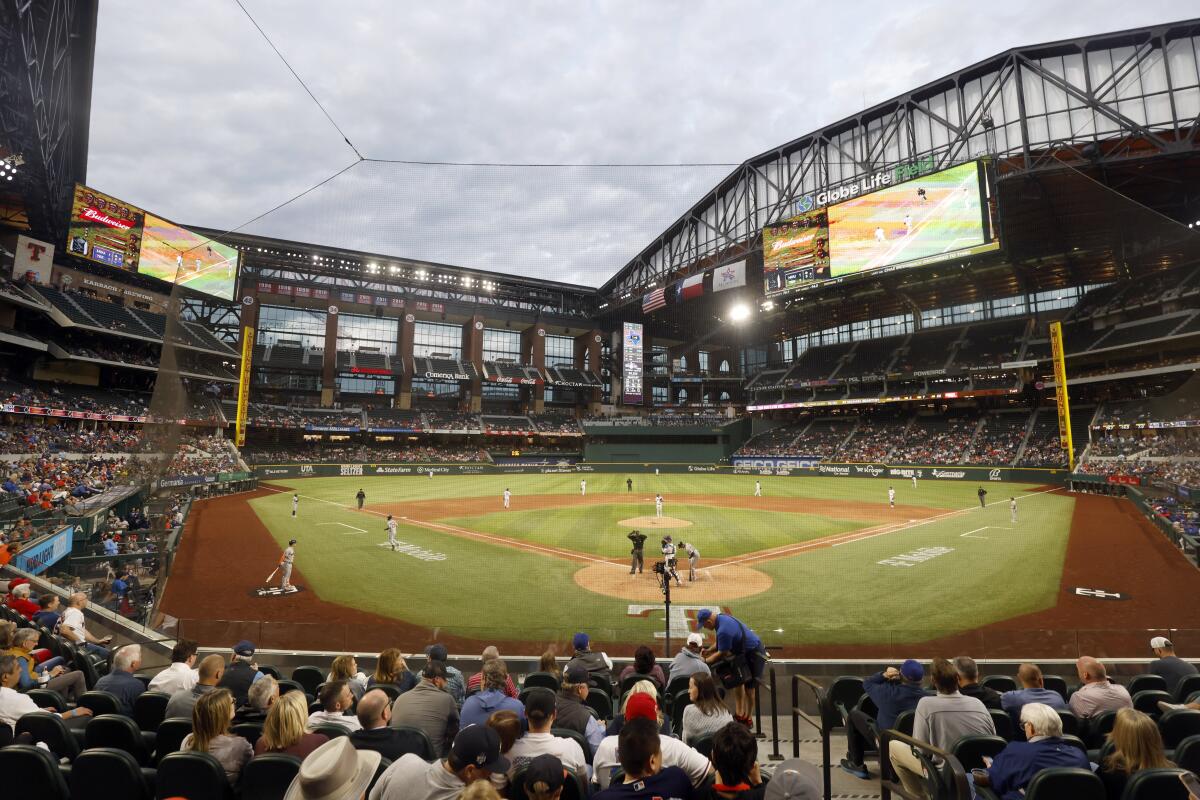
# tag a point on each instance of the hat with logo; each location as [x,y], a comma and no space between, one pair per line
[244,648]
[334,770]
[575,673]
[477,746]
[580,641]
[641,705]
[911,670]
[794,779]
[544,774]
[696,639]
[539,703]
[1159,642]
[702,616]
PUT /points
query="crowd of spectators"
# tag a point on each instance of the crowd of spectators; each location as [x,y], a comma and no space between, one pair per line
[555,422]
[321,453]
[291,417]
[872,441]
[445,419]
[66,437]
[122,351]
[1118,445]
[70,397]
[1043,449]
[998,441]
[938,442]
[775,442]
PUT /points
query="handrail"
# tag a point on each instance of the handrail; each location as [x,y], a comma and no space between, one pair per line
[825,710]
[889,783]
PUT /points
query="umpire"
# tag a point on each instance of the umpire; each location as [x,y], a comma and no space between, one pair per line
[639,540]
[982,494]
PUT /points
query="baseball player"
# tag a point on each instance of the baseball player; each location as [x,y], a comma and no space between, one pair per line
[361,498]
[879,235]
[507,498]
[583,488]
[430,474]
[391,532]
[669,551]
[693,559]
[982,494]
[629,484]
[1012,509]
[179,262]
[637,555]
[285,564]
[914,477]
[658,503]
[891,497]
[295,504]
[758,488]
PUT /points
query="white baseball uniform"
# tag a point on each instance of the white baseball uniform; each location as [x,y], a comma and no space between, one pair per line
[583,488]
[892,498]
[391,529]
[295,504]
[758,488]
[1012,507]
[914,477]
[658,504]
[507,497]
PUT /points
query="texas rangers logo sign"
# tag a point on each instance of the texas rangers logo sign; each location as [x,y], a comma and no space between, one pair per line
[1099,594]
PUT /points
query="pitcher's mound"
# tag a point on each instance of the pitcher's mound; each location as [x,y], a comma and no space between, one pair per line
[654,522]
[720,583]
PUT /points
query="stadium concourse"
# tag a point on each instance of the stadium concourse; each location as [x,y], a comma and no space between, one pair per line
[885,453]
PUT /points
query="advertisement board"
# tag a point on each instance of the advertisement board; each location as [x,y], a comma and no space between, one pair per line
[33,261]
[177,255]
[631,363]
[104,229]
[42,556]
[796,252]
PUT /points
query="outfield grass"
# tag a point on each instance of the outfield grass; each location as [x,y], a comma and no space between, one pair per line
[830,595]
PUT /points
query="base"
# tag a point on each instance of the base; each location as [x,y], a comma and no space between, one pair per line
[275,591]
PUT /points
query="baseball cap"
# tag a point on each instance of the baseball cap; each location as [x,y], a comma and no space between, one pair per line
[575,673]
[641,706]
[478,746]
[696,639]
[1160,641]
[794,779]
[580,642]
[437,652]
[539,702]
[291,541]
[911,670]
[702,616]
[244,648]
[544,774]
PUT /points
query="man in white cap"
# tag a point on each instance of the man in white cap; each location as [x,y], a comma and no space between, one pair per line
[1170,667]
[689,661]
[334,771]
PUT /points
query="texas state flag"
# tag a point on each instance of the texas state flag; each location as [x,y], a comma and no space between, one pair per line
[690,288]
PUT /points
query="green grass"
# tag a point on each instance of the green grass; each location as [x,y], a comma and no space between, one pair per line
[823,596]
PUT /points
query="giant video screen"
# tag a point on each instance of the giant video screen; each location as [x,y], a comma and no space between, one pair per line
[104,229]
[923,221]
[631,364]
[177,255]
[796,252]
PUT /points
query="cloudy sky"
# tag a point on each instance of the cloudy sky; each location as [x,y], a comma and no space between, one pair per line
[195,118]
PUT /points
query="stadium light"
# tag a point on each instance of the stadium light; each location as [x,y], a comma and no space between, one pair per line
[739,312]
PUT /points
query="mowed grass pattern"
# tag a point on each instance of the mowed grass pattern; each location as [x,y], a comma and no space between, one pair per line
[829,595]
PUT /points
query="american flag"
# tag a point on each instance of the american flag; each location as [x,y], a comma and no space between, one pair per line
[654,301]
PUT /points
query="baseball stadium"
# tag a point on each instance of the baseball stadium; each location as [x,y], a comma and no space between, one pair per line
[916,390]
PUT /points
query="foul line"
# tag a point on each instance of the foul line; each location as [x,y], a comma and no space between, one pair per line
[344,525]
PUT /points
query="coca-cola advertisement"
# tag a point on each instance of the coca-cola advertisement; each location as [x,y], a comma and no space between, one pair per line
[104,229]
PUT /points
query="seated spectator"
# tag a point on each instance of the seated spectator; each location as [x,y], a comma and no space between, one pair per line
[180,674]
[375,732]
[794,779]
[336,701]
[644,664]
[59,677]
[544,778]
[478,707]
[641,687]
[598,665]
[212,668]
[241,673]
[1033,690]
[1167,665]
[430,708]
[284,730]
[210,733]
[894,691]
[969,685]
[263,694]
[345,668]
[1014,767]
[735,758]
[689,660]
[14,704]
[1097,695]
[707,714]
[572,712]
[1137,744]
[476,680]
[539,711]
[507,726]
[74,628]
[641,711]
[391,669]
[18,600]
[473,756]
[456,684]
[120,682]
[647,772]
[334,771]
[549,664]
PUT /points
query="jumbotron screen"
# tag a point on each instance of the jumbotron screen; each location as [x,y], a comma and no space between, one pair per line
[177,255]
[631,363]
[104,229]
[796,252]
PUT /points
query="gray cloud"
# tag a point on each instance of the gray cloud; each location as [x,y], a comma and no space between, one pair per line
[195,118]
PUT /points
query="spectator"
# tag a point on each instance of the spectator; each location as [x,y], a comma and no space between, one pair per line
[391,669]
[736,639]
[74,628]
[1137,744]
[735,759]
[1097,695]
[18,600]
[210,733]
[941,721]
[208,677]
[639,752]
[242,672]
[544,778]
[120,681]
[1170,667]
[641,687]
[478,707]
[1014,767]
[456,684]
[14,705]
[795,779]
[70,683]
[689,660]
[549,664]
[894,691]
[430,708]
[644,664]
[1033,690]
[598,665]
[336,702]
[706,714]
[375,733]
[180,674]
[539,711]
[263,694]
[572,713]
[474,756]
[285,729]
[335,770]
[476,680]
[641,711]
[47,615]
[969,685]
[345,668]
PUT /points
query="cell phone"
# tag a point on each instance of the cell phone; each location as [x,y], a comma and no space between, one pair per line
[987,761]
[1191,782]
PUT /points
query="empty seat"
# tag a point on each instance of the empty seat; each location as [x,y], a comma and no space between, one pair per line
[547,680]
[1098,728]
[1001,683]
[1148,701]
[106,772]
[1155,784]
[100,702]
[309,678]
[149,709]
[250,731]
[1057,683]
[268,776]
[1070,723]
[601,703]
[50,729]
[1187,754]
[1186,687]
[1177,725]
[1003,723]
[416,741]
[196,776]
[171,733]
[1064,783]
[1142,683]
[116,732]
[331,731]
[48,698]
[39,774]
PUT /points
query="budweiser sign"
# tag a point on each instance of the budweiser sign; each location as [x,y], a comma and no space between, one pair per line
[96,215]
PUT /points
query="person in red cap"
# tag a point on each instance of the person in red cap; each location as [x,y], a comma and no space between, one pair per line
[671,751]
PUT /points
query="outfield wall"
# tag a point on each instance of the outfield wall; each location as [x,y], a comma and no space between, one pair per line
[750,466]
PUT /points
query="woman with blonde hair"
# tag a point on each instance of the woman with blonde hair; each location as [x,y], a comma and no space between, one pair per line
[210,734]
[550,664]
[345,668]
[284,730]
[641,687]
[706,714]
[392,669]
[1137,745]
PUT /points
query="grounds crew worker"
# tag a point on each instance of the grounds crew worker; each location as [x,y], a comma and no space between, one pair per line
[639,540]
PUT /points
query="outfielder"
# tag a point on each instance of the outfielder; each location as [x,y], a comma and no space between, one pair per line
[295,503]
[507,497]
[1012,509]
[658,503]
[914,477]
[758,488]
[285,564]
[636,554]
[583,488]
[693,559]
[891,497]
[669,551]
[391,532]
[360,497]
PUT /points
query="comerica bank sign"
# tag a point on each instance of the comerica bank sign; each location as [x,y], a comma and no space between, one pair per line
[872,182]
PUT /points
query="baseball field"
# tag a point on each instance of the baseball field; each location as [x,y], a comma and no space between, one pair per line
[817,565]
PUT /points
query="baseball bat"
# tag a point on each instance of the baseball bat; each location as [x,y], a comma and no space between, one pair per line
[272,575]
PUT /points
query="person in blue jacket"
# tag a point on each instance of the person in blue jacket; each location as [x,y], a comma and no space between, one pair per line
[1014,767]
[894,691]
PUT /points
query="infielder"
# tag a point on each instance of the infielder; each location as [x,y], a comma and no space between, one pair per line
[693,559]
[285,564]
[507,497]
[658,503]
[391,532]
[758,488]
[891,497]
[1012,509]
[668,551]
[636,554]
[583,488]
[361,498]
[295,503]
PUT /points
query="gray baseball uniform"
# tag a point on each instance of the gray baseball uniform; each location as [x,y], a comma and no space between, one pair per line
[289,555]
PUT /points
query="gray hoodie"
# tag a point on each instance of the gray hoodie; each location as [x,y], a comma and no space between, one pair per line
[688,663]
